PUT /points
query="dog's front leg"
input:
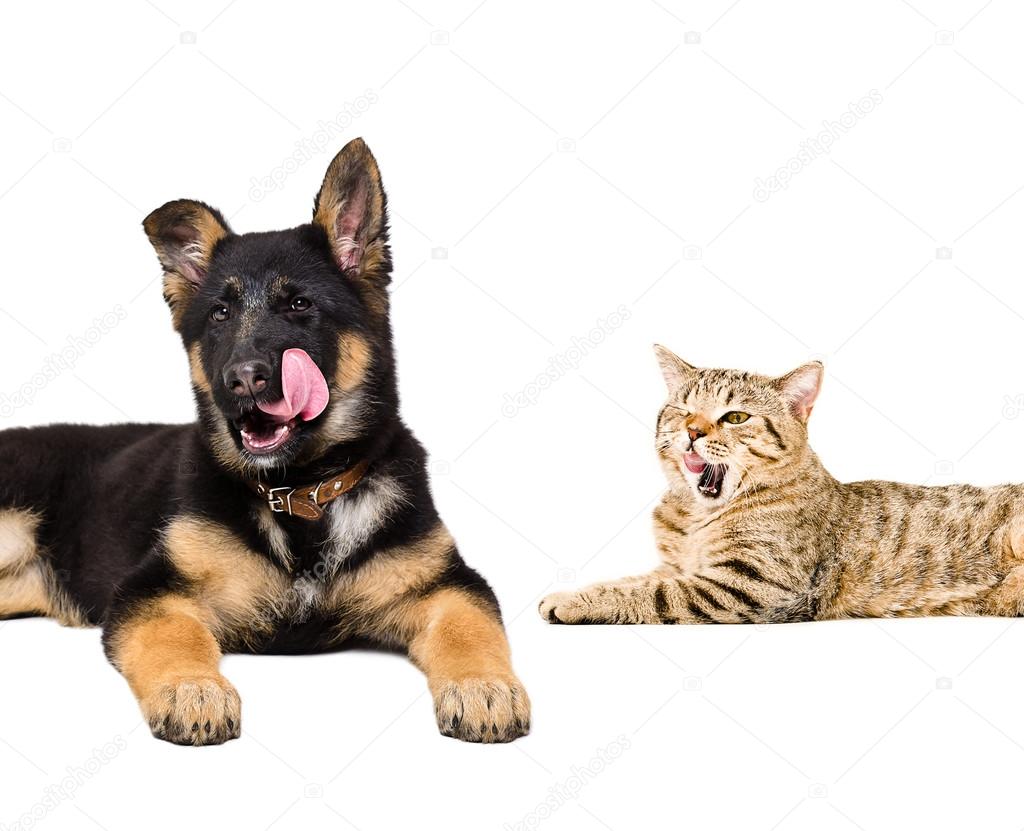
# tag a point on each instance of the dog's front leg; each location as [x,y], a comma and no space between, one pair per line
[458,641]
[170,658]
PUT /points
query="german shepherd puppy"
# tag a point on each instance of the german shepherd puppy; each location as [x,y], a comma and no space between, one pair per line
[294,517]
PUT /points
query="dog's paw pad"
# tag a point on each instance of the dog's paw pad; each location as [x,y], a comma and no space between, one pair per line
[483,709]
[194,711]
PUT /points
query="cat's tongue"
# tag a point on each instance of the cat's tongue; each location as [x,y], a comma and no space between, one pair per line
[304,389]
[694,463]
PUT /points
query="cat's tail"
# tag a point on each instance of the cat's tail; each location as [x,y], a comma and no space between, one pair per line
[799,609]
[809,604]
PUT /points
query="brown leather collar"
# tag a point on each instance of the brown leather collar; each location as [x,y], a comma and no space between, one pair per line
[308,502]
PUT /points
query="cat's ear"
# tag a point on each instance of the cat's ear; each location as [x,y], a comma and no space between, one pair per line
[674,369]
[184,234]
[799,388]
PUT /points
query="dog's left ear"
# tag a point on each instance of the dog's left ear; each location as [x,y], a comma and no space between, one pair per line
[184,234]
[351,208]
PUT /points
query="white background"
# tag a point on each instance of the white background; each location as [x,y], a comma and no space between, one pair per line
[572,158]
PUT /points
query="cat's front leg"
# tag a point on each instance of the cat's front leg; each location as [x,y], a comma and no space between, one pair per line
[648,598]
[666,595]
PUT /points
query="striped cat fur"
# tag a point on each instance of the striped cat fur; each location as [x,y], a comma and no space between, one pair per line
[753,528]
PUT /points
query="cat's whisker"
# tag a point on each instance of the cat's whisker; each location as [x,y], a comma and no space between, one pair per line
[789,542]
[744,481]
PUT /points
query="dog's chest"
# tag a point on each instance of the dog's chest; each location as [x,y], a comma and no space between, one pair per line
[312,555]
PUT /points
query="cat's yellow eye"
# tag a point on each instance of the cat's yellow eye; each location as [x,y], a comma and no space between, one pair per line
[735,417]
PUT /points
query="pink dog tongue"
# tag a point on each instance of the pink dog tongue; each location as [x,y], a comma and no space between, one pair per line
[304,389]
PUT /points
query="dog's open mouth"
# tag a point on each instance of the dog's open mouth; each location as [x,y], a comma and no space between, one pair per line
[262,434]
[712,475]
[268,427]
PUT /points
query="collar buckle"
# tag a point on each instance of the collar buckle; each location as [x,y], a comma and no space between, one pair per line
[279,500]
[310,501]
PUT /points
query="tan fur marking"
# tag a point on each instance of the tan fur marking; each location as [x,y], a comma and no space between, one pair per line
[210,233]
[241,591]
[222,440]
[27,583]
[457,638]
[171,661]
[344,420]
[17,538]
[25,593]
[391,575]
[165,641]
[277,539]
[354,165]
[195,365]
[460,645]
[353,175]
[177,292]
[353,360]
[454,637]
[224,448]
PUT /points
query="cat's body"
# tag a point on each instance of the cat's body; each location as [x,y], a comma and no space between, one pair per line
[753,529]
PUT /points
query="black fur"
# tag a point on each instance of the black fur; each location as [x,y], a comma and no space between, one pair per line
[104,494]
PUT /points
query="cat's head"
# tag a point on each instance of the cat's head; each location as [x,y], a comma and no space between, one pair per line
[723,431]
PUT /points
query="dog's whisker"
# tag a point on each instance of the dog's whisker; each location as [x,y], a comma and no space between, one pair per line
[292,516]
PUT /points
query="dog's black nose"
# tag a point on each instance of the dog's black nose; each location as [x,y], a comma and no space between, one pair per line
[247,378]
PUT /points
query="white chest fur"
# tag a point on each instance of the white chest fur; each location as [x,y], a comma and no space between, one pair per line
[357,516]
[352,520]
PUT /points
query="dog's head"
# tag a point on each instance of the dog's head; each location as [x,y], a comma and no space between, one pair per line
[287,332]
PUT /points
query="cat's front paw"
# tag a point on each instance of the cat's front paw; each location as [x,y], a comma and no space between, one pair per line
[565,607]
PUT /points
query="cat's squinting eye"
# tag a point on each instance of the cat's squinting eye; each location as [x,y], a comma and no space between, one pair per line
[735,417]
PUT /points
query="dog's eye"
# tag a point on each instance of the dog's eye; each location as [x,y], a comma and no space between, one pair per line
[220,313]
[300,304]
[735,417]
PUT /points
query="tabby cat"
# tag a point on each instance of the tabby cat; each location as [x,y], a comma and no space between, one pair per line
[753,529]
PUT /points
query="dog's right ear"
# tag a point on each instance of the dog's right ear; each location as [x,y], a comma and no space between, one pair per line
[184,234]
[351,208]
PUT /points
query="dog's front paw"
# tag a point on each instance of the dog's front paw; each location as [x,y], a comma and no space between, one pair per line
[565,607]
[194,710]
[482,709]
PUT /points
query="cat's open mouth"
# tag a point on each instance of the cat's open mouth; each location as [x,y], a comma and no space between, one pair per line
[711,475]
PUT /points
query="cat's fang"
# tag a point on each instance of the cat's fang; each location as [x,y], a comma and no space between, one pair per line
[710,482]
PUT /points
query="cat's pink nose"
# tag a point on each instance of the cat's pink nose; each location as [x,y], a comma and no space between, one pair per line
[694,434]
